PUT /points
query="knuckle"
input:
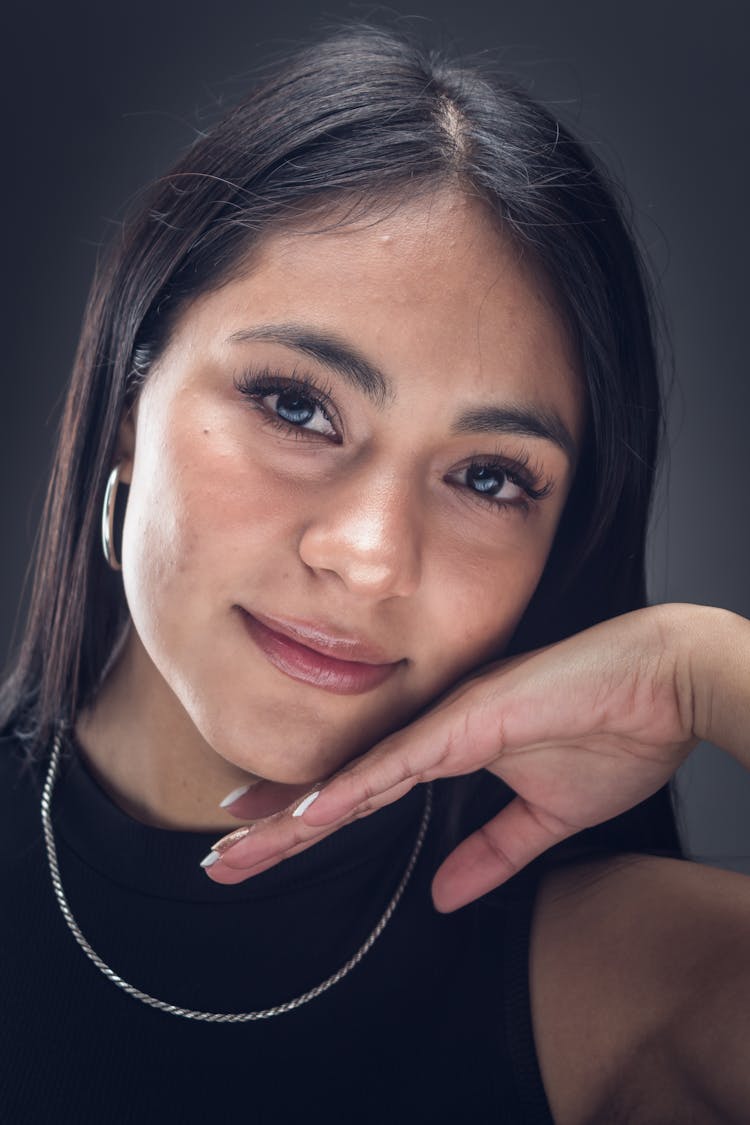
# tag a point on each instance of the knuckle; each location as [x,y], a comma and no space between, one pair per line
[496,850]
[363,810]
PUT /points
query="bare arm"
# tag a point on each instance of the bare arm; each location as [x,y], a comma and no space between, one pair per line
[718,647]
[657,1027]
[709,1031]
[582,730]
[641,992]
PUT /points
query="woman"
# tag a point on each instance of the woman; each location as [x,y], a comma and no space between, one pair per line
[366,408]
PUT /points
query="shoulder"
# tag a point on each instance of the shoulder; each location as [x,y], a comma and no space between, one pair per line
[640,989]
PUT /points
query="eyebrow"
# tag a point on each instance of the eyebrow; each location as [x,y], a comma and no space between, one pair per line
[529,421]
[344,358]
[327,349]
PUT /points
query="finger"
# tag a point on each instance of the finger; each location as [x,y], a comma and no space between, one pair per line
[443,744]
[269,841]
[264,798]
[229,872]
[494,853]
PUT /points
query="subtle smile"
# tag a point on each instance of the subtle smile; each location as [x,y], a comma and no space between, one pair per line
[305,652]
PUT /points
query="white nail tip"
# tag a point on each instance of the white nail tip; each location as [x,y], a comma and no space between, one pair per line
[234,796]
[210,859]
[305,803]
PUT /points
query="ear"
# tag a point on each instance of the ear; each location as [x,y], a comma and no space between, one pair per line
[125,446]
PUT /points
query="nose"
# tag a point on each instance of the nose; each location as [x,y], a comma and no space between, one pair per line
[368,533]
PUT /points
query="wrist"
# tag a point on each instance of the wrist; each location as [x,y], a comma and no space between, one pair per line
[713,670]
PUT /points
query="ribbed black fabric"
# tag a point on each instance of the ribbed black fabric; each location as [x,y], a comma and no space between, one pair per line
[432,1026]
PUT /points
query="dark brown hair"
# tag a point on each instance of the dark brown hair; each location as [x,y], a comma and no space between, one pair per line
[364,115]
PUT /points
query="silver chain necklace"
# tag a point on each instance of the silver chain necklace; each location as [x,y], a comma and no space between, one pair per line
[211,1017]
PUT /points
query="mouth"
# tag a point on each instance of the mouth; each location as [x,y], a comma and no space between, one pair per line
[308,653]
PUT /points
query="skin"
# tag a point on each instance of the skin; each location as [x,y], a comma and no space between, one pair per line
[379,533]
[638,966]
[639,977]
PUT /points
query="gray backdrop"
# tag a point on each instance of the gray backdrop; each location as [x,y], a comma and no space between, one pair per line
[100,98]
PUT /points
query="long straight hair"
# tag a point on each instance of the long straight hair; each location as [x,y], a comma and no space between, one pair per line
[365,117]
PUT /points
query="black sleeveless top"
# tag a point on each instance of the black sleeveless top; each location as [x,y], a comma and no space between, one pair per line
[432,1026]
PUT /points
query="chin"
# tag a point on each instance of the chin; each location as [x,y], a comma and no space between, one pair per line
[304,770]
[293,759]
[290,739]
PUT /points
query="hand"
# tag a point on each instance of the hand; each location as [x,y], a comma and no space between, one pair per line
[581,731]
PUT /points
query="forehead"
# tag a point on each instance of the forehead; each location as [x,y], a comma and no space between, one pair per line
[433,291]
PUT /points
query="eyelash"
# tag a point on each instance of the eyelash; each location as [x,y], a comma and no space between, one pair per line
[521,471]
[256,385]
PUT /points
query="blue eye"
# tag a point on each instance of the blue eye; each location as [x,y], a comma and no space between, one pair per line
[495,485]
[298,410]
[291,404]
[503,485]
[294,408]
[484,479]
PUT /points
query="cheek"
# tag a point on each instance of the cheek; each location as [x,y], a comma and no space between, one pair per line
[477,602]
[203,522]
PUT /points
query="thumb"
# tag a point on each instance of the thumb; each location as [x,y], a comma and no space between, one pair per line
[496,851]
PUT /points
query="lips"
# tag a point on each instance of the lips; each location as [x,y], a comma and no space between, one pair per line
[308,653]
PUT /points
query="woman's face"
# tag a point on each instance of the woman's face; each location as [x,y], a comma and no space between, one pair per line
[346,472]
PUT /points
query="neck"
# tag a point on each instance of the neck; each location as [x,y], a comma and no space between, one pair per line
[147,754]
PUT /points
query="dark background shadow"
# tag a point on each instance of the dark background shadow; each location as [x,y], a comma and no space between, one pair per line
[100,98]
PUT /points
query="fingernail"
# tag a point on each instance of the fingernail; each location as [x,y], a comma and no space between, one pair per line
[305,803]
[234,796]
[226,841]
[210,859]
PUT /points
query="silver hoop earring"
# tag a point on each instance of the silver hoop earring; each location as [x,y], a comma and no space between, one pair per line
[108,517]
